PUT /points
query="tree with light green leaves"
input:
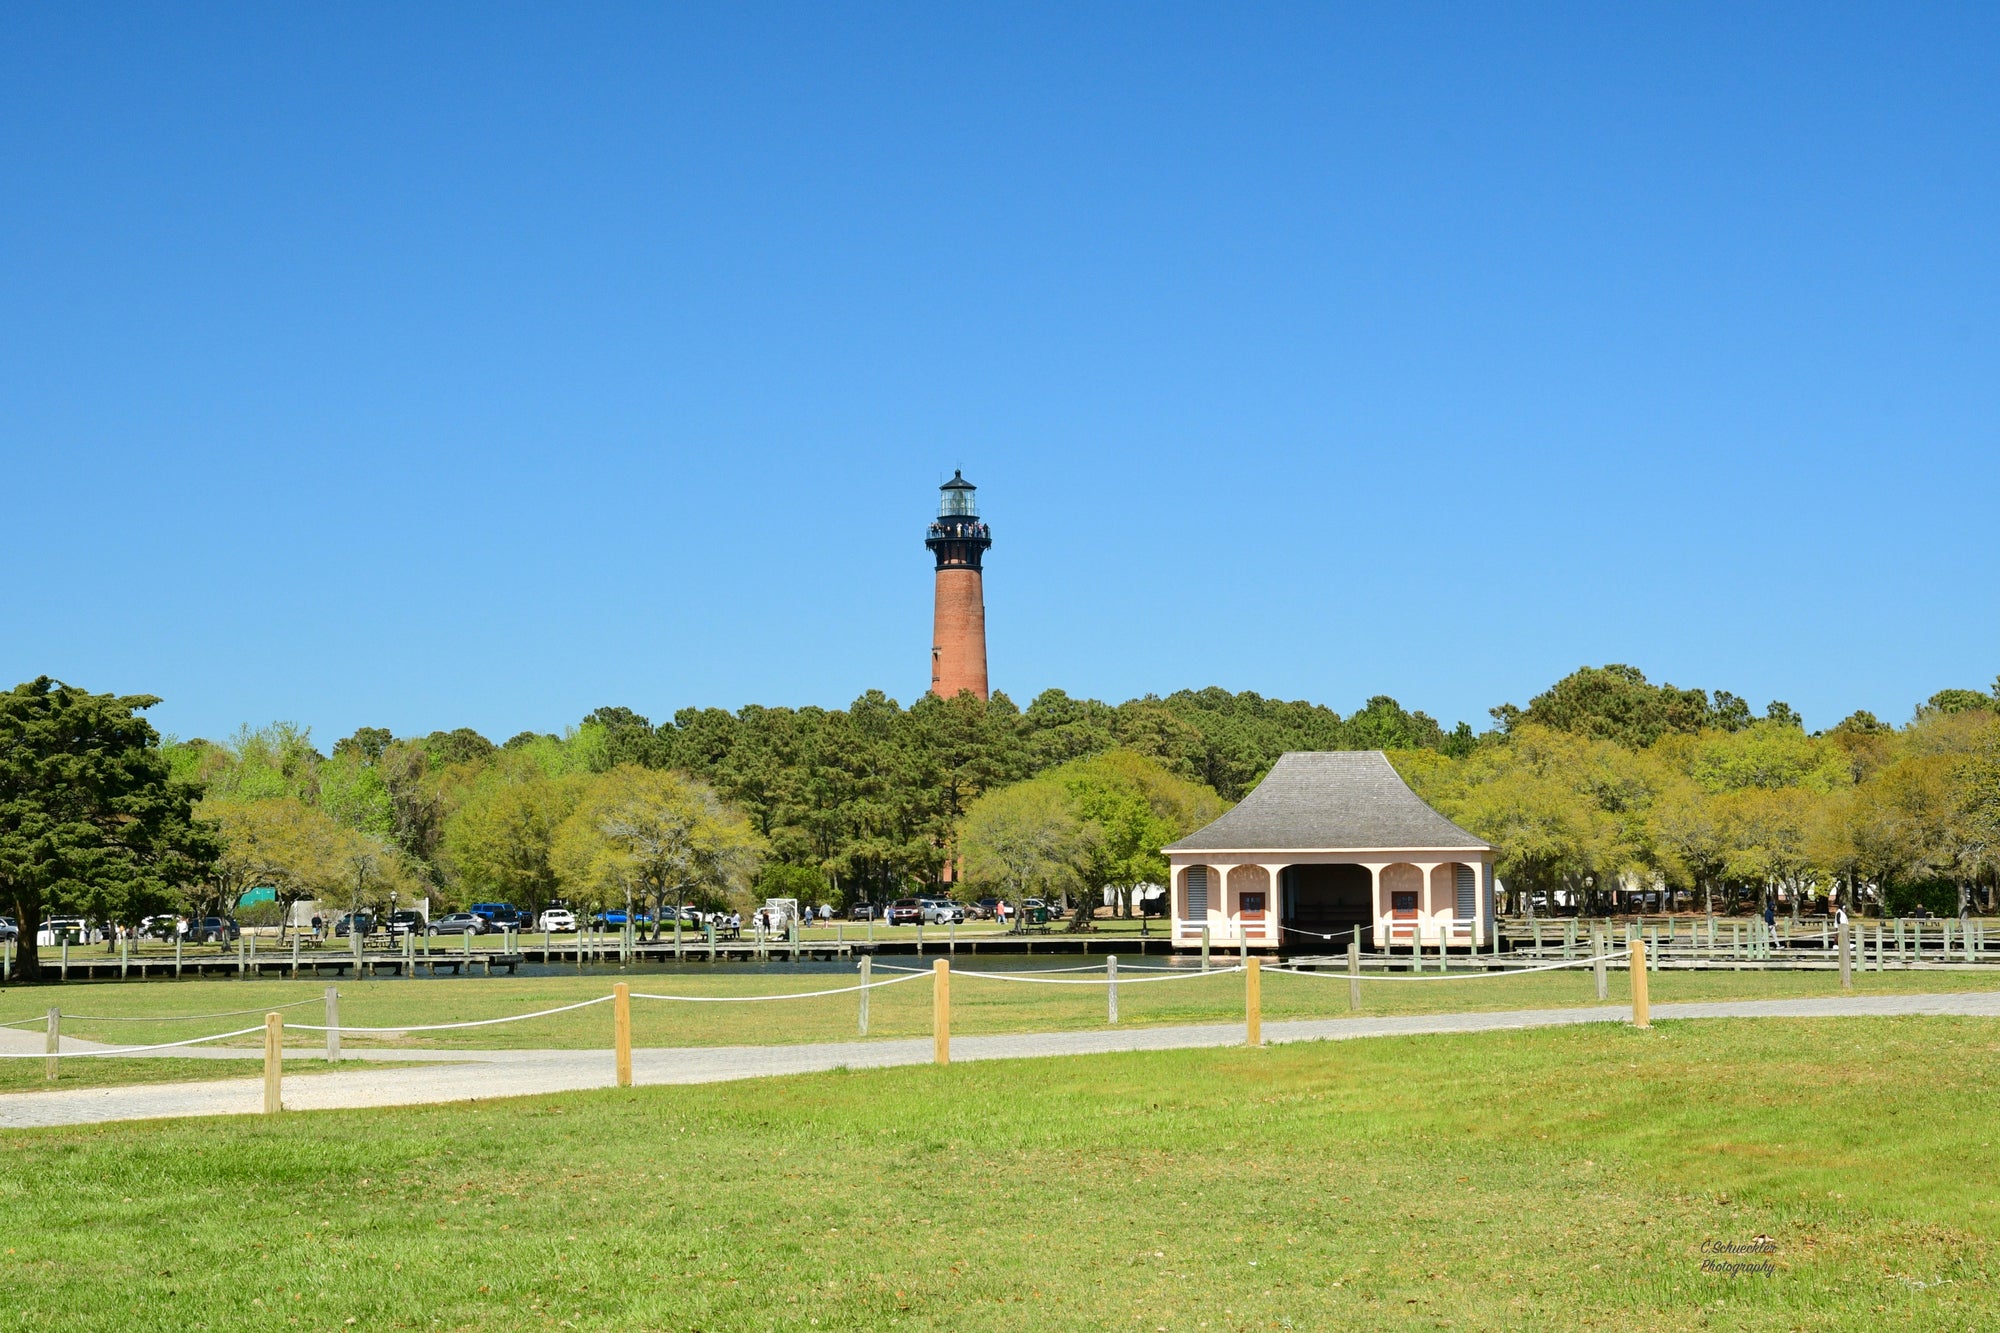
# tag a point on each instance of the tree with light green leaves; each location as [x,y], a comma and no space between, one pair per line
[655,839]
[1086,826]
[278,842]
[499,843]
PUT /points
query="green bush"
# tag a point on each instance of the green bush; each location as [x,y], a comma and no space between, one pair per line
[1936,896]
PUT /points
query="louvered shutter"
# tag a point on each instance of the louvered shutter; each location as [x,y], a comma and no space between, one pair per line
[1468,893]
[1197,893]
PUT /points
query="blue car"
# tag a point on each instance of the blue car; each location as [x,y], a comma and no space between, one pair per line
[621,918]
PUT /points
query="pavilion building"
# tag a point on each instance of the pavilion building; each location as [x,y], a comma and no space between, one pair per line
[1329,847]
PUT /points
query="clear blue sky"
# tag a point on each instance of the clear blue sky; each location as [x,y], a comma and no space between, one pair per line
[422,367]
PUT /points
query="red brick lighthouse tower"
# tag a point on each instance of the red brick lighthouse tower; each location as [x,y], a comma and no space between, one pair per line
[958,637]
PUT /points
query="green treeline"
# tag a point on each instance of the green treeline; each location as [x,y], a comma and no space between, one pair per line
[1607,785]
[1600,786]
[868,799]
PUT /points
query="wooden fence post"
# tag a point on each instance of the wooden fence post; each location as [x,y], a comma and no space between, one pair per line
[1253,1002]
[1111,990]
[941,1011]
[332,1025]
[867,968]
[1204,948]
[1600,945]
[1354,971]
[621,1031]
[1846,976]
[1642,1014]
[54,1044]
[274,1063]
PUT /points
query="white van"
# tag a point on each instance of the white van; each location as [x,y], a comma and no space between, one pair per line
[59,928]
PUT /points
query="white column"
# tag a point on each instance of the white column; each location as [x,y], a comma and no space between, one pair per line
[1376,907]
[1221,921]
[1176,899]
[1427,903]
[1274,909]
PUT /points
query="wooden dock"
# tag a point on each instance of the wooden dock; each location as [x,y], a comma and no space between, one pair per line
[1672,943]
[484,956]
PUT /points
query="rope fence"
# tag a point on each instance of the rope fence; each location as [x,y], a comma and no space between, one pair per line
[1452,976]
[802,995]
[621,996]
[126,1050]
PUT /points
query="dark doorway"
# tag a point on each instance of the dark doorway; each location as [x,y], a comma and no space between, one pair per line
[1325,901]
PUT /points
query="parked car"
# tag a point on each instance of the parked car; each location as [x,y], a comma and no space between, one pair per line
[361,923]
[986,909]
[56,929]
[212,930]
[159,927]
[502,916]
[904,912]
[559,921]
[940,911]
[8,930]
[407,921]
[459,923]
[620,917]
[863,912]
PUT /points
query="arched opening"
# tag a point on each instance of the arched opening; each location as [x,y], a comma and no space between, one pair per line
[1324,906]
[1199,895]
[1403,902]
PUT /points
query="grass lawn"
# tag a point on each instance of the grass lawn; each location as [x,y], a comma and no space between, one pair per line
[1562,1178]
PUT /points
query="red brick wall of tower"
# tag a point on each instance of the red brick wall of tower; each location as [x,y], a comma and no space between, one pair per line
[958,636]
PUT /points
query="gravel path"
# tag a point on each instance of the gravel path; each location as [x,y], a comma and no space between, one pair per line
[474,1075]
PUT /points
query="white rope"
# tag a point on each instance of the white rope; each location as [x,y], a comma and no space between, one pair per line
[1087,967]
[1449,976]
[1189,975]
[803,995]
[1323,935]
[127,1050]
[474,1023]
[186,1018]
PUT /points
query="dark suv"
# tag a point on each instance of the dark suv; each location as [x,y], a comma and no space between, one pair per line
[212,930]
[500,916]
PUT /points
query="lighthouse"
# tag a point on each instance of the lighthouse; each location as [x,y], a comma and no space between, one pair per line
[958,634]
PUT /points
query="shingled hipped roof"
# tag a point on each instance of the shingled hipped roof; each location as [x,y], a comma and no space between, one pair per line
[1331,800]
